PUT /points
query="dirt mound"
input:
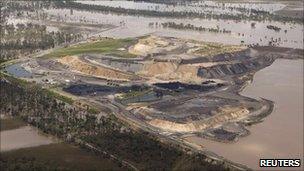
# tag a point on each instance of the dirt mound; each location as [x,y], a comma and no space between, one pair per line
[170,71]
[188,74]
[151,44]
[212,49]
[172,126]
[89,69]
[188,48]
[225,114]
[152,69]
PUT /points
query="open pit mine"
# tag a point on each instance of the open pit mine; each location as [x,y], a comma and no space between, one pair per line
[168,86]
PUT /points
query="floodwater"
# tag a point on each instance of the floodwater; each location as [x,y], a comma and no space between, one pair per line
[197,7]
[18,71]
[15,21]
[280,135]
[23,137]
[241,32]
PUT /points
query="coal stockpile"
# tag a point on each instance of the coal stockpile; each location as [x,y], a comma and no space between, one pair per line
[223,135]
[178,86]
[92,89]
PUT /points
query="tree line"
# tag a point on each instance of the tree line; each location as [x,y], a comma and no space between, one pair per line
[254,16]
[182,26]
[25,39]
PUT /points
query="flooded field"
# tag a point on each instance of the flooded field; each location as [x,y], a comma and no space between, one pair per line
[199,6]
[241,32]
[25,144]
[60,155]
[22,137]
[280,134]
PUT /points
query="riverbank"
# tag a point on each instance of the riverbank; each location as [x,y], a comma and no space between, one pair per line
[282,82]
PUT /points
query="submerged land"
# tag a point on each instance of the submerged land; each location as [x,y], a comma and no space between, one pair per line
[114,98]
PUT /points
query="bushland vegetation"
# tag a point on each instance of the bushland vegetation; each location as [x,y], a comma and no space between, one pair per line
[107,133]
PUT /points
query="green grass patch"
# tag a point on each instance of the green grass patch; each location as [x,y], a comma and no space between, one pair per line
[59,96]
[11,123]
[2,61]
[106,46]
[93,110]
[134,93]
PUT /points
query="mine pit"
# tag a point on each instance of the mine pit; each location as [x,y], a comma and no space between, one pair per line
[77,65]
[171,85]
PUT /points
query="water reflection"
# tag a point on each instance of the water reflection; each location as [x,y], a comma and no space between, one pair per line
[241,32]
[197,7]
[18,71]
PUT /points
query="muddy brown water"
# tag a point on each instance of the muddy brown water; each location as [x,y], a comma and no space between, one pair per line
[23,137]
[241,31]
[198,7]
[281,133]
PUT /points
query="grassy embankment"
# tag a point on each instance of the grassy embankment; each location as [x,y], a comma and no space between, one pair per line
[134,93]
[58,96]
[105,46]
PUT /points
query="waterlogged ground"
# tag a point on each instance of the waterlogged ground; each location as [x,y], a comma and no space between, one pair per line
[281,133]
[22,137]
[241,32]
[63,156]
[198,7]
[19,142]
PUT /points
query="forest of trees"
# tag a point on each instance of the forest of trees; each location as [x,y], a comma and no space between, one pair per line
[26,164]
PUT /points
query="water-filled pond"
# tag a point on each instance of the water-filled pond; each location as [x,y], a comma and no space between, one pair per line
[18,71]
